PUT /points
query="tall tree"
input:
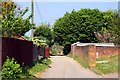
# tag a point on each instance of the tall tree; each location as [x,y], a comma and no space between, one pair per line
[115,29]
[43,32]
[80,26]
[12,20]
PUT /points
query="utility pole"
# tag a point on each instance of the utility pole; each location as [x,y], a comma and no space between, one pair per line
[32,20]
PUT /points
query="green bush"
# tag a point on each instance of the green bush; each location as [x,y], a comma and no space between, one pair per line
[39,66]
[56,49]
[80,26]
[67,49]
[11,69]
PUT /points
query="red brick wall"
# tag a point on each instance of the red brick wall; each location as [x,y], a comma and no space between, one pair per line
[88,52]
[107,51]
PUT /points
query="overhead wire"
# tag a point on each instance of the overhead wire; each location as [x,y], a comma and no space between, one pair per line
[39,12]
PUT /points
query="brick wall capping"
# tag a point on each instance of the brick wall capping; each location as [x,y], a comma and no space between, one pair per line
[90,51]
[96,44]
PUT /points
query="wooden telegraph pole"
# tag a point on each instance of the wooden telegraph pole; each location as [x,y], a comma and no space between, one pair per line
[32,20]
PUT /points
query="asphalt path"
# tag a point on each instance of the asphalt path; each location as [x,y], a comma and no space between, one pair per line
[65,67]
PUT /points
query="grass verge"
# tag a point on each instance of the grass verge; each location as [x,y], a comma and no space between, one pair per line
[101,68]
[79,60]
[39,66]
[109,67]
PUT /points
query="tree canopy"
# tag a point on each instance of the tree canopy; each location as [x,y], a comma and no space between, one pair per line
[43,32]
[81,25]
[12,23]
[115,29]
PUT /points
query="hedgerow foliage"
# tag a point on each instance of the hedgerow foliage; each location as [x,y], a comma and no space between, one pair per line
[80,26]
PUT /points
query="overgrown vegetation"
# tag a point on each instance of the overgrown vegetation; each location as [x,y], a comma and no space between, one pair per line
[12,23]
[113,33]
[107,67]
[39,66]
[40,42]
[44,32]
[12,70]
[79,60]
[80,26]
[110,65]
[115,30]
[56,49]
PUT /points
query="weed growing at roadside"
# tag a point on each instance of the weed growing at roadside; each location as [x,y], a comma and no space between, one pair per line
[39,66]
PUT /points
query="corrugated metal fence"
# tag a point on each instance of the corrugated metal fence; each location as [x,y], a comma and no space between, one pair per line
[44,51]
[20,50]
[23,51]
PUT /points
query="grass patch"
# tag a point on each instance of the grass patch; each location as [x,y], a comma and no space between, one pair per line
[84,63]
[109,67]
[39,66]
[101,68]
[70,55]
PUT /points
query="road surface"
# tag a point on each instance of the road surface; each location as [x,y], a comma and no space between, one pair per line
[65,67]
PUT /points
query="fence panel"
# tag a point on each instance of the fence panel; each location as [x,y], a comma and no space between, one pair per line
[42,51]
[20,50]
[35,49]
[47,52]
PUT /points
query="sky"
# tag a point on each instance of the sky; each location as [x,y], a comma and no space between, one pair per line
[50,11]
[68,0]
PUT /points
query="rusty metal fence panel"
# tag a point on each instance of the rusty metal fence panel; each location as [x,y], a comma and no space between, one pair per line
[47,52]
[42,51]
[20,50]
[35,54]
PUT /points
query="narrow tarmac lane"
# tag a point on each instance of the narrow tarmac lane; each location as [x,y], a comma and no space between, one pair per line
[65,67]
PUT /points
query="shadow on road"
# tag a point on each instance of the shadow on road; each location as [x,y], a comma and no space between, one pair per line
[57,55]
